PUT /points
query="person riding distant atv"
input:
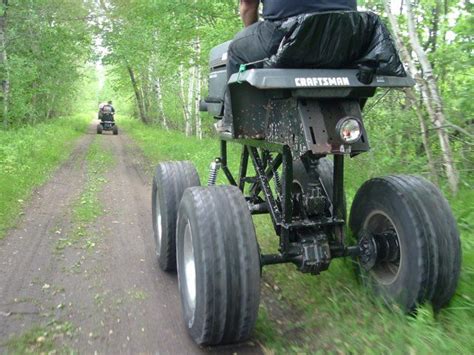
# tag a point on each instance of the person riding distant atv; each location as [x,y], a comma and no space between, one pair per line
[106,111]
[259,40]
[106,117]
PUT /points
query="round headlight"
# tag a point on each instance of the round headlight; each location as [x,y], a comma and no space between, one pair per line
[349,130]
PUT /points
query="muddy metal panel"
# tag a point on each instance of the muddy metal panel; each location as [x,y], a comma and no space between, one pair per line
[319,120]
[304,124]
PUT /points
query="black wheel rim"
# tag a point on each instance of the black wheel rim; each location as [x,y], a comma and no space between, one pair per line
[390,257]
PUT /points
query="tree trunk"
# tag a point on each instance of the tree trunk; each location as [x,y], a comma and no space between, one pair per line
[438,119]
[434,29]
[197,91]
[410,94]
[159,98]
[183,99]
[425,138]
[145,90]
[190,101]
[4,63]
[138,95]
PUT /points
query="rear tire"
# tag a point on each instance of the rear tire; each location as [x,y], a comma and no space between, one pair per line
[218,265]
[99,129]
[427,264]
[169,183]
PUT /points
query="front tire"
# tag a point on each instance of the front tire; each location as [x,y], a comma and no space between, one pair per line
[218,265]
[115,130]
[169,183]
[417,236]
[99,129]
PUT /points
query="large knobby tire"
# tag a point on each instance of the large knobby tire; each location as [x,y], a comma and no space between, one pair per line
[218,265]
[115,130]
[99,129]
[325,170]
[413,212]
[169,183]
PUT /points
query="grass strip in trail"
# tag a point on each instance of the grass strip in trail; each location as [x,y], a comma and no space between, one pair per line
[332,312]
[41,339]
[88,206]
[28,156]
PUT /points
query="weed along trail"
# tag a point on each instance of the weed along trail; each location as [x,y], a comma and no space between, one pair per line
[79,272]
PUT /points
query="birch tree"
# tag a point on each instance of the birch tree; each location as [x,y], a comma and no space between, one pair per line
[4,62]
[197,92]
[410,94]
[433,100]
[159,98]
[138,95]
[182,98]
[426,83]
[190,102]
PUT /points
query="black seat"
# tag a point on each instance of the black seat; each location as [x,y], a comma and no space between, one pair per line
[338,40]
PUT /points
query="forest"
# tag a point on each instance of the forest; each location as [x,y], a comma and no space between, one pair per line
[60,58]
[157,66]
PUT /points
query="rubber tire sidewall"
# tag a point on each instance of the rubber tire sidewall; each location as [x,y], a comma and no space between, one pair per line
[378,195]
[213,271]
[170,181]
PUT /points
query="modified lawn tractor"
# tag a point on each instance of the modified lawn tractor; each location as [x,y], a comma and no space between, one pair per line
[107,121]
[288,121]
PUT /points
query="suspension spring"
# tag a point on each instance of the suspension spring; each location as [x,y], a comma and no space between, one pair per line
[213,171]
[276,175]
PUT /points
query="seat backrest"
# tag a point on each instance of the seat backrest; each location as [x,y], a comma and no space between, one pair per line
[107,109]
[336,40]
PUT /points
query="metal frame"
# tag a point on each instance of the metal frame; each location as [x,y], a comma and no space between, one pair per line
[278,202]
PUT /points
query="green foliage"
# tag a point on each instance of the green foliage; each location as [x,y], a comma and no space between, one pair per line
[155,40]
[27,157]
[41,339]
[159,144]
[47,43]
[88,207]
[333,312]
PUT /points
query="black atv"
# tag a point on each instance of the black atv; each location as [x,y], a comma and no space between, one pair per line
[288,121]
[107,122]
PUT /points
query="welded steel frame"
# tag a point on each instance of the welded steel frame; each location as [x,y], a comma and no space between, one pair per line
[280,207]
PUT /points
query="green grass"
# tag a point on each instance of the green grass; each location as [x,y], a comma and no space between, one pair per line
[41,339]
[333,312]
[28,155]
[88,207]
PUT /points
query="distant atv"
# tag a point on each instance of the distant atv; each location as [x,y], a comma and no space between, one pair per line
[107,122]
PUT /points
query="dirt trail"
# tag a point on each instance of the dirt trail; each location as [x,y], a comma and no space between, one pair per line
[95,287]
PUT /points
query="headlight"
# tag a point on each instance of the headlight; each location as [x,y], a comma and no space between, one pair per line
[349,129]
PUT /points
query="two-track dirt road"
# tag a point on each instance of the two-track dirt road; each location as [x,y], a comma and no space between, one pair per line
[93,286]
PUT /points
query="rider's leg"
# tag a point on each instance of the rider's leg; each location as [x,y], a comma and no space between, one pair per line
[256,42]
